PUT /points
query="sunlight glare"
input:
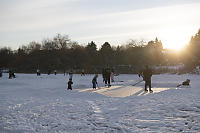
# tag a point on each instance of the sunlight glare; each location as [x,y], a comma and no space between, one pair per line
[175,40]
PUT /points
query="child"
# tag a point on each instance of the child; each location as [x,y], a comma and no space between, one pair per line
[94,81]
[70,84]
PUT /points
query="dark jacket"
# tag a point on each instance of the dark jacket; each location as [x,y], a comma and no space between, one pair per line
[147,73]
[107,72]
[94,80]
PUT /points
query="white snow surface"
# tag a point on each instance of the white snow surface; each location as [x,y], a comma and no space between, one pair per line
[31,103]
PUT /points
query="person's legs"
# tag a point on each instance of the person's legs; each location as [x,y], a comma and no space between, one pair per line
[146,86]
[108,81]
[150,86]
[94,85]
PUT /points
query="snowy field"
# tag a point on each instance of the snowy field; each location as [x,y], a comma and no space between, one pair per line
[43,104]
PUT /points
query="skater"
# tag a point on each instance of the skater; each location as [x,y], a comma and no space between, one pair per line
[147,73]
[94,81]
[64,72]
[38,72]
[186,83]
[107,75]
[82,72]
[70,74]
[70,84]
[11,74]
[55,72]
[104,75]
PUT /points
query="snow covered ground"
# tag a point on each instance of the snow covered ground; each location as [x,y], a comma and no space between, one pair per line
[42,104]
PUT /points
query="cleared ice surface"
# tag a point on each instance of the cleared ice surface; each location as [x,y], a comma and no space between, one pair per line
[42,104]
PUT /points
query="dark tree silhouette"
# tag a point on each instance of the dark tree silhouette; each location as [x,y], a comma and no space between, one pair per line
[60,53]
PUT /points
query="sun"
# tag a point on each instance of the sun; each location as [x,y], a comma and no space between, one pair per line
[175,40]
[175,43]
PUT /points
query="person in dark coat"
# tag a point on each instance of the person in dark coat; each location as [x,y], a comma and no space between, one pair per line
[104,75]
[107,75]
[70,84]
[11,74]
[94,81]
[147,73]
[64,72]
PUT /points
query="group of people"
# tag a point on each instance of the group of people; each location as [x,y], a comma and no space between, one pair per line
[49,72]
[108,75]
[147,74]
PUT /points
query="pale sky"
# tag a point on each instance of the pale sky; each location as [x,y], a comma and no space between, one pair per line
[115,21]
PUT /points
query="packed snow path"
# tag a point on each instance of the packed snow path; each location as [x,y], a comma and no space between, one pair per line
[42,104]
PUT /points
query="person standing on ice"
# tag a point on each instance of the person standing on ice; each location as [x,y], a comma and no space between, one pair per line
[94,81]
[55,72]
[38,72]
[107,74]
[70,84]
[82,72]
[147,73]
[11,74]
[64,72]
[104,75]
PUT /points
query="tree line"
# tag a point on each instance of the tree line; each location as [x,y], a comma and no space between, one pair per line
[61,53]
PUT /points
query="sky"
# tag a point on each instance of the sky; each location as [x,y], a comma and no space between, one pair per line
[114,21]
